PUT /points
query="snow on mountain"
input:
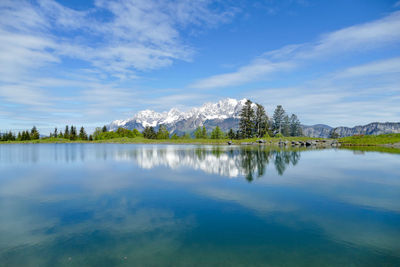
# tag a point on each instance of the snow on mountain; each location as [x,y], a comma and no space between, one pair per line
[224,112]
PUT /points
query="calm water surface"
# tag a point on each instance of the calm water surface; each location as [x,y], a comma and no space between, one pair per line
[159,205]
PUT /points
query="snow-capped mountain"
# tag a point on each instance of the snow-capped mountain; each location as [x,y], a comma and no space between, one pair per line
[224,113]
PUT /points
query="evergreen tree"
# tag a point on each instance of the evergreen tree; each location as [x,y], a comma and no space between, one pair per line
[162,132]
[204,132]
[34,133]
[149,133]
[82,134]
[55,132]
[217,133]
[334,134]
[246,123]
[261,121]
[19,137]
[295,126]
[286,126]
[278,119]
[198,133]
[231,134]
[66,132]
[73,135]
[104,129]
[60,135]
[90,137]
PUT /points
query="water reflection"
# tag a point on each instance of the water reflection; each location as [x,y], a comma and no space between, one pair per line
[116,205]
[231,162]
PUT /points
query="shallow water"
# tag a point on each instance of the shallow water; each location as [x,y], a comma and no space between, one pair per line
[170,205]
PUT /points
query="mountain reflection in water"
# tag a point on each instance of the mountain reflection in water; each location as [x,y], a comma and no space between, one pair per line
[249,162]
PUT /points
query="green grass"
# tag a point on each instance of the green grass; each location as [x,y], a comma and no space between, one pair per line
[141,140]
[370,140]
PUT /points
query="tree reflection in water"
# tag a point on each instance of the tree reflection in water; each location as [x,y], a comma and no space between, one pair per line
[250,162]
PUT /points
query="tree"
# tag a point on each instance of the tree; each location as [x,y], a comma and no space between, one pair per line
[261,121]
[66,132]
[246,123]
[149,133]
[231,134]
[82,134]
[295,126]
[204,132]
[162,132]
[334,134]
[217,133]
[90,137]
[55,134]
[73,134]
[278,119]
[198,133]
[286,126]
[104,129]
[34,133]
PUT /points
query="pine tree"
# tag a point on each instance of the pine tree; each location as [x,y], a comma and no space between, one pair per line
[278,119]
[73,134]
[82,134]
[217,133]
[55,132]
[295,126]
[204,132]
[231,134]
[162,132]
[286,126]
[149,133]
[104,129]
[261,121]
[66,132]
[198,133]
[34,133]
[246,123]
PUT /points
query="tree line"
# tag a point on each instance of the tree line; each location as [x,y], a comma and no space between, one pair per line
[253,122]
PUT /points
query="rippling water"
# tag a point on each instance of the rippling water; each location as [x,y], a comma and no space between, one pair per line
[160,205]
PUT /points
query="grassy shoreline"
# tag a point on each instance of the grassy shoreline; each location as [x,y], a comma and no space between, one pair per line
[385,140]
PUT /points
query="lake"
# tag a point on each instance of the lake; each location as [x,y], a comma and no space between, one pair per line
[188,205]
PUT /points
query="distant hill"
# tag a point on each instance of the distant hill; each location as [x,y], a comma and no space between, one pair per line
[374,128]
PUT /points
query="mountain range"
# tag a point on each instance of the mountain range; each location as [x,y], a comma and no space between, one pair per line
[225,114]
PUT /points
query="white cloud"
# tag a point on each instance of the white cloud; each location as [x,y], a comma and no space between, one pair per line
[358,38]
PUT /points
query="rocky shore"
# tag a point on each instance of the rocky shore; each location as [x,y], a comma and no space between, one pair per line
[286,143]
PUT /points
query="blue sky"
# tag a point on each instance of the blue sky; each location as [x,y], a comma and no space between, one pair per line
[90,62]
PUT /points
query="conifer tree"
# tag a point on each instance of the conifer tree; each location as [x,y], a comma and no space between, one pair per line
[104,129]
[231,134]
[295,126]
[204,132]
[149,133]
[198,133]
[162,132]
[246,123]
[66,132]
[286,126]
[55,132]
[82,134]
[34,133]
[73,134]
[217,133]
[278,119]
[261,121]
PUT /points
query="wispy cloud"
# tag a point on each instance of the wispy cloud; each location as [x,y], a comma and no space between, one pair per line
[358,38]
